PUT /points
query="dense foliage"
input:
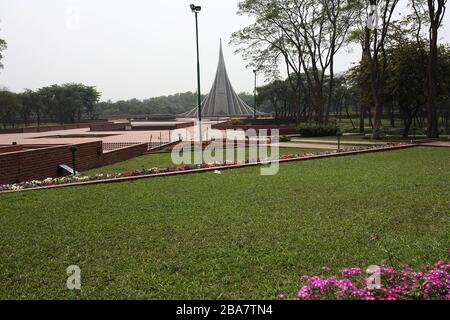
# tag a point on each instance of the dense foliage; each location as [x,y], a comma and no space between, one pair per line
[318,131]
[65,103]
[302,37]
[72,102]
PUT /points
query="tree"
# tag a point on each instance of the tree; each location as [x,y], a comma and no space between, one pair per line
[9,106]
[3,47]
[405,76]
[305,35]
[404,82]
[375,53]
[26,109]
[436,11]
[89,97]
[277,97]
[69,102]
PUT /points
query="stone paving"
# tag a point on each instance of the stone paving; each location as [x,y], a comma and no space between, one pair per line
[57,137]
[308,145]
[345,142]
[437,144]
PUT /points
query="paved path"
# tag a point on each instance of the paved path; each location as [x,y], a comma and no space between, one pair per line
[345,142]
[85,135]
[308,145]
[437,144]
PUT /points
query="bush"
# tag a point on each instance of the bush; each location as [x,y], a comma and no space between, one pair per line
[285,139]
[318,131]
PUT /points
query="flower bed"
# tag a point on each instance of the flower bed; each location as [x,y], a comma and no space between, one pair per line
[432,282]
[49,182]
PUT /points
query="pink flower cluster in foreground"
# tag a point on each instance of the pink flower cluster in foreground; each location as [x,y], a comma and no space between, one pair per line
[403,283]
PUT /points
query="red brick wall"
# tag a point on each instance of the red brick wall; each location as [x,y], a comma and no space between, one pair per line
[162,127]
[124,153]
[107,126]
[49,128]
[10,148]
[110,126]
[42,163]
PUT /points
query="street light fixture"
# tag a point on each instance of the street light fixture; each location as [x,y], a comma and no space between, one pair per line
[196,9]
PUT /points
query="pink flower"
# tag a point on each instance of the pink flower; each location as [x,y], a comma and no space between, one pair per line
[304,293]
[402,283]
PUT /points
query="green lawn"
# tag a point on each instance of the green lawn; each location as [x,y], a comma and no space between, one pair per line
[236,235]
[163,160]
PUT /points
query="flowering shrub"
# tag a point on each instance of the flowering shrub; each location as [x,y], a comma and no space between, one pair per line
[404,283]
[142,172]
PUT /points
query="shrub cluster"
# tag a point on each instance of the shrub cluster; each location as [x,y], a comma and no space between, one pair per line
[318,131]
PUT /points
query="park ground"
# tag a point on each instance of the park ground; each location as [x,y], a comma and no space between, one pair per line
[238,235]
[164,159]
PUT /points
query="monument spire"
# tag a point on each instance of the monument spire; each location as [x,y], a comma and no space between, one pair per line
[222,100]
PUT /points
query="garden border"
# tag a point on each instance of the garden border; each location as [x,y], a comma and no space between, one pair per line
[225,167]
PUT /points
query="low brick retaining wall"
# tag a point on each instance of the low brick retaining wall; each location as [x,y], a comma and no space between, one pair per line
[26,165]
[163,146]
[48,128]
[163,126]
[108,126]
[125,153]
[43,163]
[225,167]
[10,148]
[122,126]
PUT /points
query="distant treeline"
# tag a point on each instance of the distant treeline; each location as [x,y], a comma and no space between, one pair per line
[74,102]
[67,103]
[173,104]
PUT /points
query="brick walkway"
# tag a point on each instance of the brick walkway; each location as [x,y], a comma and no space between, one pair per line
[344,142]
[308,145]
[51,137]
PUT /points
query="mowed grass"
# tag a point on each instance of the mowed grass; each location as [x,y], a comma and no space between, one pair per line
[163,160]
[236,235]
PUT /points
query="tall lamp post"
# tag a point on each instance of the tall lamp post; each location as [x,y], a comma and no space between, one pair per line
[196,9]
[254,98]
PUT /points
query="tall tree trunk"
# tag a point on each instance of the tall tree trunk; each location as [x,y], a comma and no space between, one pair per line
[362,112]
[432,120]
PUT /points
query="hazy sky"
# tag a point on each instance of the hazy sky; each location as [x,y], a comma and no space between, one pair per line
[127,49]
